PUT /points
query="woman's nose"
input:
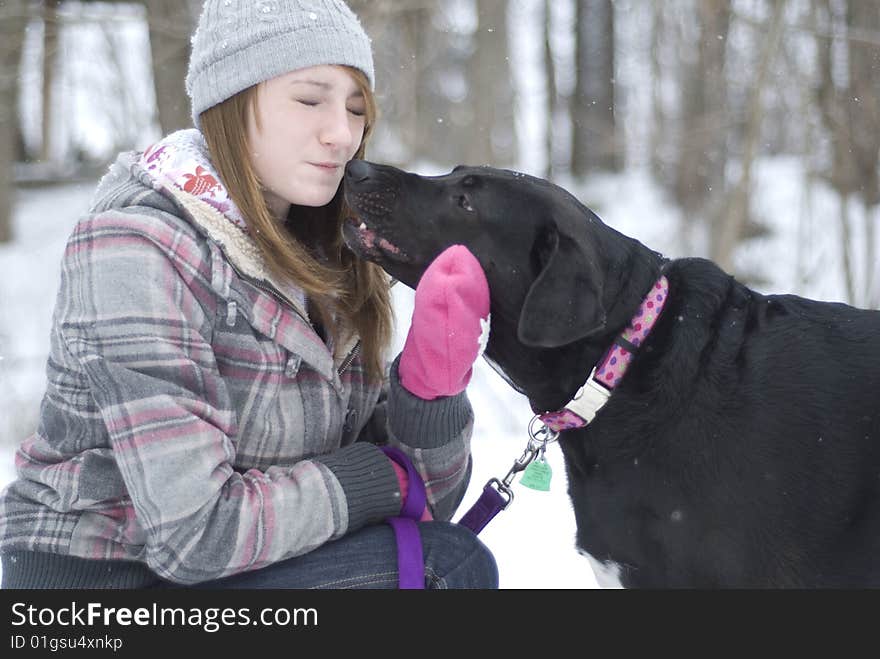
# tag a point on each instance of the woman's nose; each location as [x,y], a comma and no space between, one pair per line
[336,129]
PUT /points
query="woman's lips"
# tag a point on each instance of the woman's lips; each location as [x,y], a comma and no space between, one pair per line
[327,166]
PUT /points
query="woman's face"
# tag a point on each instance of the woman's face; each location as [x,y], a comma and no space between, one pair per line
[307,125]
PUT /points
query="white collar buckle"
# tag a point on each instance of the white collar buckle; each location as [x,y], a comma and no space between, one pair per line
[589,399]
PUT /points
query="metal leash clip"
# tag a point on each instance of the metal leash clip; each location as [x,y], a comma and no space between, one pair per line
[538,439]
[497,494]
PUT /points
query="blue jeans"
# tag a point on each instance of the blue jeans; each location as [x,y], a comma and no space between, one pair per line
[454,558]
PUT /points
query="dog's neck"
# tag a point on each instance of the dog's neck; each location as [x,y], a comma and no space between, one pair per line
[550,377]
[610,369]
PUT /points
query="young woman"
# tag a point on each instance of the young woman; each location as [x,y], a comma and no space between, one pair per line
[218,410]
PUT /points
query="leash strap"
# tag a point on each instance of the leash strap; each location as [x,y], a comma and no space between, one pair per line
[489,504]
[497,494]
[410,557]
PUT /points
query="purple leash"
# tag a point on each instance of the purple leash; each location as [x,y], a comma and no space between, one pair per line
[496,496]
[410,559]
[491,502]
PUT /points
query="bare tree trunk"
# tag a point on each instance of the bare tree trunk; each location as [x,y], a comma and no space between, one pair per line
[840,176]
[50,67]
[864,96]
[864,104]
[550,86]
[410,107]
[171,23]
[493,135]
[408,81]
[659,132]
[850,111]
[736,213]
[846,241]
[806,213]
[703,119]
[871,267]
[595,140]
[831,102]
[13,21]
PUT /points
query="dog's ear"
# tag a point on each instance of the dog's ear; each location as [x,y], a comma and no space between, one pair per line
[564,303]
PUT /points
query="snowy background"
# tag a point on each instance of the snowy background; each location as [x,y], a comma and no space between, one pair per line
[533,540]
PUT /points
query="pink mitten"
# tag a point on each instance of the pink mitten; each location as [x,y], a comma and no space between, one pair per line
[450,326]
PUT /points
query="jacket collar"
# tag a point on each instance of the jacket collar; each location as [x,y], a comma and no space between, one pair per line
[180,165]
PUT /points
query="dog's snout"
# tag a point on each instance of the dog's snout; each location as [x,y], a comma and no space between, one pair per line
[358,171]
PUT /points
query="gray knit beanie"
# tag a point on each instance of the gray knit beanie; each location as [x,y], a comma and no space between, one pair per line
[240,43]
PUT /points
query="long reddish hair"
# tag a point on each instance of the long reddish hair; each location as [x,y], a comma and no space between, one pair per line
[343,291]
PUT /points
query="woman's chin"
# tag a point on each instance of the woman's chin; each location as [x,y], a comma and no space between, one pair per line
[314,199]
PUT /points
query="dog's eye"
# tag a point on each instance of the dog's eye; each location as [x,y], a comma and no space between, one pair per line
[465,203]
[468,182]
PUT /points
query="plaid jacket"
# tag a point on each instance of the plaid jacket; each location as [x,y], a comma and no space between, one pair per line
[193,420]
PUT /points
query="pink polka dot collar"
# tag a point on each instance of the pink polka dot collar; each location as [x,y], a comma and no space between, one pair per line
[610,369]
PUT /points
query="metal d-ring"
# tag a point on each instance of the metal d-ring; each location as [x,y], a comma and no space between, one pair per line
[503,490]
[547,435]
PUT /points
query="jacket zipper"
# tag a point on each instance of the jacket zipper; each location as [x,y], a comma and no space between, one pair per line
[350,358]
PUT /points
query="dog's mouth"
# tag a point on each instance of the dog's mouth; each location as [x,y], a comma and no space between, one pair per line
[367,243]
[375,230]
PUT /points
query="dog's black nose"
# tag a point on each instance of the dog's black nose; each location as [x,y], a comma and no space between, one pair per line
[358,171]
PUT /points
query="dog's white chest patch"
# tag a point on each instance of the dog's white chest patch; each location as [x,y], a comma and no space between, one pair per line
[607,573]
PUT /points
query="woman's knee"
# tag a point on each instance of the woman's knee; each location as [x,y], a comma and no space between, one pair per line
[456,558]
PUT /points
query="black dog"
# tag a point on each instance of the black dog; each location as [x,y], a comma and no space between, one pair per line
[741,448]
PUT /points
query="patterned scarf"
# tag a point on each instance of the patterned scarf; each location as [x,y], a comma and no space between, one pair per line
[182,160]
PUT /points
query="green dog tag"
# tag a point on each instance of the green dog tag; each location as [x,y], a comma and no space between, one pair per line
[537,475]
